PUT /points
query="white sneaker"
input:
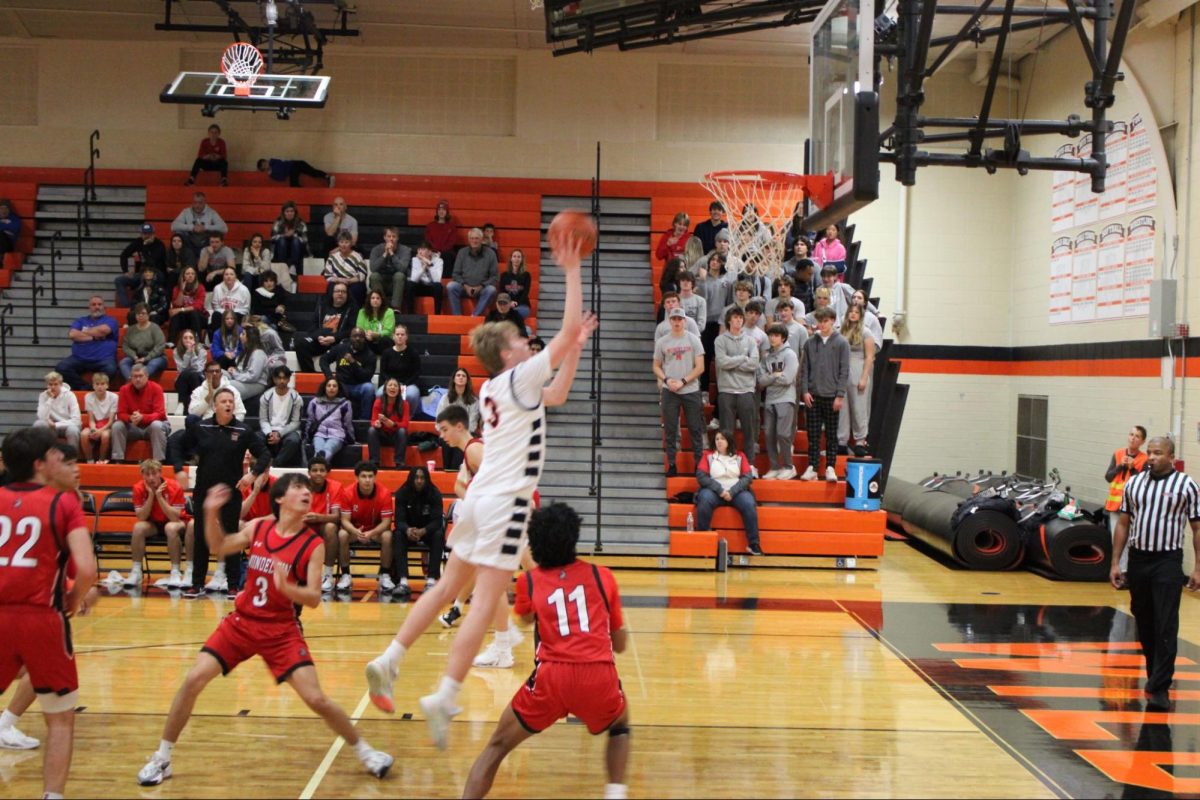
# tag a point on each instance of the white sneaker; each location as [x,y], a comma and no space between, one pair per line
[379,685]
[327,584]
[437,717]
[430,583]
[187,577]
[377,762]
[155,772]
[810,474]
[219,583]
[13,739]
[386,584]
[830,474]
[715,424]
[754,472]
[615,791]
[173,581]
[134,579]
[114,578]
[345,582]
[770,475]
[495,657]
[786,474]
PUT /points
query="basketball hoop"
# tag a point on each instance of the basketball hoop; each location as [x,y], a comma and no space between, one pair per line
[242,63]
[759,207]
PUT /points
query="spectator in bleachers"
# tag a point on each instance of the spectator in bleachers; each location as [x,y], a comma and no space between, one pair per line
[785,296]
[831,251]
[58,409]
[390,265]
[366,509]
[475,275]
[855,414]
[145,251]
[707,230]
[144,344]
[10,227]
[93,345]
[354,365]
[669,280]
[345,267]
[389,423]
[101,407]
[227,341]
[490,239]
[256,261]
[462,394]
[202,402]
[694,305]
[777,372]
[715,284]
[505,311]
[805,281]
[425,276]
[214,259]
[678,363]
[289,239]
[725,475]
[186,311]
[517,282]
[230,296]
[330,425]
[870,316]
[824,373]
[290,170]
[196,222]
[731,263]
[269,301]
[177,257]
[141,414]
[674,242]
[326,521]
[251,374]
[191,356]
[442,231]
[536,345]
[743,293]
[796,235]
[840,294]
[796,334]
[338,220]
[256,498]
[377,321]
[161,509]
[419,519]
[335,318]
[670,302]
[754,324]
[212,156]
[737,359]
[404,364]
[821,299]
[152,293]
[269,340]
[279,412]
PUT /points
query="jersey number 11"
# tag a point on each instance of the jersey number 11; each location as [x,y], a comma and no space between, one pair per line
[559,599]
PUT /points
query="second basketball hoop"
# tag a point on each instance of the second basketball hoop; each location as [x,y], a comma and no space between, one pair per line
[242,63]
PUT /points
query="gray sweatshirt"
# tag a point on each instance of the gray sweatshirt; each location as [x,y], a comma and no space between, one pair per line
[826,366]
[476,270]
[696,307]
[737,362]
[777,374]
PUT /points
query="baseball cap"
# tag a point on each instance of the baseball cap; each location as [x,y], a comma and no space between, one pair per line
[147,227]
[443,202]
[676,313]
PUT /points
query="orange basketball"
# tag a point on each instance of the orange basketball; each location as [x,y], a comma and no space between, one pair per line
[571,224]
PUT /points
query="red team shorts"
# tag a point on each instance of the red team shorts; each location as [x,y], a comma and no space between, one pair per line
[280,644]
[38,639]
[591,691]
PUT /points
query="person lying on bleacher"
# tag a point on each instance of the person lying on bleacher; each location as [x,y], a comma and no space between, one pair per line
[390,265]
[353,362]
[345,267]
[144,251]
[335,318]
[203,397]
[196,222]
[214,259]
[10,227]
[290,170]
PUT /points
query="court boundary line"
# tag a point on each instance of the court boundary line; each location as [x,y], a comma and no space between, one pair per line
[335,748]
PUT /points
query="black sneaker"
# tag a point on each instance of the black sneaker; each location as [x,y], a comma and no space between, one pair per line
[401,590]
[193,592]
[1159,701]
[450,617]
[671,471]
[861,450]
[754,550]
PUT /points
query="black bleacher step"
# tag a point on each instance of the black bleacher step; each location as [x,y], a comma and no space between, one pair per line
[371,222]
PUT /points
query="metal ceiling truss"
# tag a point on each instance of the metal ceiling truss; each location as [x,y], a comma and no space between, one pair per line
[285,30]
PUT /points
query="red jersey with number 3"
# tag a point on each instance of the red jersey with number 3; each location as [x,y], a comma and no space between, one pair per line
[259,600]
[34,523]
[576,606]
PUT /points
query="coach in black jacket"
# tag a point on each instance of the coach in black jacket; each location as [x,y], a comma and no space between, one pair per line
[221,443]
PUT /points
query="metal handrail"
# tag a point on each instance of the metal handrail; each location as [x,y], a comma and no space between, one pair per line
[36,292]
[55,253]
[79,229]
[89,183]
[5,330]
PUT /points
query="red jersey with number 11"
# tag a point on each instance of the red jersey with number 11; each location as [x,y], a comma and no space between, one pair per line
[259,600]
[576,606]
[34,523]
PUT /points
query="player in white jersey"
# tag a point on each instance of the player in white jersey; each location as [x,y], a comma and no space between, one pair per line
[490,533]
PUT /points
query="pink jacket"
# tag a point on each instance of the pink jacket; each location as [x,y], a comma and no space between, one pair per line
[829,251]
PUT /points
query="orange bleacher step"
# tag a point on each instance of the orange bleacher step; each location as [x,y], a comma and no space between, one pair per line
[800,442]
[794,491]
[698,543]
[783,518]
[686,463]
[394,479]
[114,476]
[778,543]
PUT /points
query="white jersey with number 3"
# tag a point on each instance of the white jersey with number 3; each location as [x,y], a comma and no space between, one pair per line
[514,430]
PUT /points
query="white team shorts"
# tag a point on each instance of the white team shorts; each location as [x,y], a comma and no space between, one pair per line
[490,530]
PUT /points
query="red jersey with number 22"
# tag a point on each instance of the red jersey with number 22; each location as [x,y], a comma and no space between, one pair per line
[34,523]
[259,600]
[576,606]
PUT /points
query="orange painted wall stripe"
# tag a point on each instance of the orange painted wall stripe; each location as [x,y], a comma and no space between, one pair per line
[1075,368]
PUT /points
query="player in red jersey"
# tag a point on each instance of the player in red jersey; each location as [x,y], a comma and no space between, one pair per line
[41,530]
[366,509]
[577,610]
[283,573]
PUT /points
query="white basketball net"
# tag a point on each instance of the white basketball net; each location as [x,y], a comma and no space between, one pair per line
[759,208]
[242,62]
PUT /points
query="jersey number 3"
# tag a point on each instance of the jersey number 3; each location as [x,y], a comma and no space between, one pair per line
[559,599]
[493,413]
[26,526]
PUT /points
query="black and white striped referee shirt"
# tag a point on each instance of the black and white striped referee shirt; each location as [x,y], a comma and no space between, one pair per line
[1161,509]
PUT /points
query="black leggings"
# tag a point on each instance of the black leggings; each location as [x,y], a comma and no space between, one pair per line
[221,166]
[299,168]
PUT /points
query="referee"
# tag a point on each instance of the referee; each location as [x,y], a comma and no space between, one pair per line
[1158,505]
[221,443]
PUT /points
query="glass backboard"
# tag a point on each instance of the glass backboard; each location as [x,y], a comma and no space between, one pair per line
[268,91]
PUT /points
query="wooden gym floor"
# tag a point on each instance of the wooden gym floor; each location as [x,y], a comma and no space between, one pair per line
[914,680]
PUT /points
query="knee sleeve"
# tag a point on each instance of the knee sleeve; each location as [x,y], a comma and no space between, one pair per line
[619,730]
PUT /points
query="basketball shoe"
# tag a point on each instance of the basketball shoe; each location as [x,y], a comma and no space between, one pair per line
[380,678]
[450,617]
[437,717]
[157,770]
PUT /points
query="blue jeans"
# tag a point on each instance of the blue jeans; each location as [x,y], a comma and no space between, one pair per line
[364,395]
[412,396]
[153,367]
[71,368]
[708,501]
[455,292]
[327,447]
